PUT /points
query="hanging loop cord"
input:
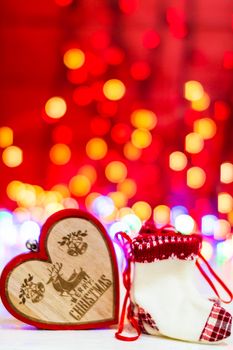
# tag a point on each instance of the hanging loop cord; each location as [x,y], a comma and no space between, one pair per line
[217,278]
[122,239]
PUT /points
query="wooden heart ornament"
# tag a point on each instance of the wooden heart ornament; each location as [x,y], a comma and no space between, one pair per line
[71,282]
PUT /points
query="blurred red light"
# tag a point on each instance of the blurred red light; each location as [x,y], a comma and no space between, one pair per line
[114,55]
[107,108]
[100,39]
[100,126]
[62,134]
[151,39]
[151,153]
[153,174]
[190,116]
[128,6]
[63,2]
[95,64]
[77,76]
[140,70]
[228,60]
[221,110]
[198,58]
[121,133]
[97,91]
[82,96]
[177,22]
[104,14]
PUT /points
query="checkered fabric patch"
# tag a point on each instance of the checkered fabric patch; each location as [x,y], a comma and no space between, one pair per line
[218,325]
[143,317]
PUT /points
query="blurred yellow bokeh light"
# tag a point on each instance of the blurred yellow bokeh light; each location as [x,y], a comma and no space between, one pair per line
[225,203]
[62,189]
[226,173]
[119,199]
[79,185]
[161,214]
[194,143]
[142,210]
[114,89]
[6,136]
[128,187]
[193,90]
[96,148]
[222,228]
[202,104]
[13,189]
[141,138]
[74,58]
[12,156]
[143,119]
[55,107]
[206,127]
[60,154]
[177,161]
[116,171]
[90,172]
[196,177]
[131,152]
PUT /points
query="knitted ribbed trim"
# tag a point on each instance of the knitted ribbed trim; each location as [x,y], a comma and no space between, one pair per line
[153,247]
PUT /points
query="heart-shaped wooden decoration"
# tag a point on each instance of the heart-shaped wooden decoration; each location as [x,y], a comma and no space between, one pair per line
[71,282]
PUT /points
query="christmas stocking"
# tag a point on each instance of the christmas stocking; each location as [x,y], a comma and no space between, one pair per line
[163,296]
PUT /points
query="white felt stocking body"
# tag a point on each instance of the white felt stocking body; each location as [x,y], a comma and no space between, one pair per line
[165,289]
[164,298]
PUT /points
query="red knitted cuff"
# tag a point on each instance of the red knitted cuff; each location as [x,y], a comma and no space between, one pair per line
[154,247]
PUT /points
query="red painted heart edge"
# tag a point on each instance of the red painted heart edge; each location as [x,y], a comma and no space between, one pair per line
[43,256]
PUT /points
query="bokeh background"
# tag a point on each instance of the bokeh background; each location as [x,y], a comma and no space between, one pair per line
[119,107]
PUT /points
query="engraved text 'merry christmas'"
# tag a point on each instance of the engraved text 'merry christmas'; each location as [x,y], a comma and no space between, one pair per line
[93,294]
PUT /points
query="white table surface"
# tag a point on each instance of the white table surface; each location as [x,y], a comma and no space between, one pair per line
[15,335]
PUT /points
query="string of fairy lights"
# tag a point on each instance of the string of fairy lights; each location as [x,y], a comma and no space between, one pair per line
[133,138]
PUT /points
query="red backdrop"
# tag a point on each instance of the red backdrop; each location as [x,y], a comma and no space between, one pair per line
[175,41]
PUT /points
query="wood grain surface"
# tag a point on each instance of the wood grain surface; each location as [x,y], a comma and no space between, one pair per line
[76,285]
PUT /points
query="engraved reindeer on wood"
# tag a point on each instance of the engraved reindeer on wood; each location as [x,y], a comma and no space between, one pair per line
[62,285]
